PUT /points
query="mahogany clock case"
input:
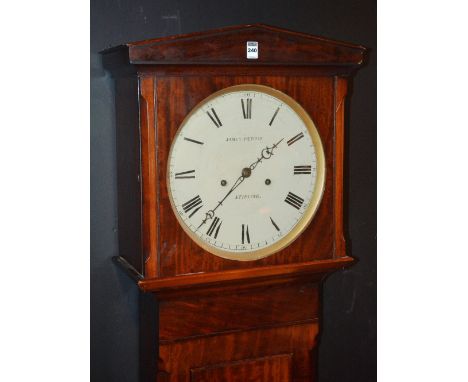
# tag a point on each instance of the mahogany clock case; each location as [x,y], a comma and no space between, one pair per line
[158,83]
[179,266]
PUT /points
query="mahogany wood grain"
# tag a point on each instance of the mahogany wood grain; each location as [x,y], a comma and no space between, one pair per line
[210,315]
[149,176]
[176,360]
[276,368]
[341,86]
[228,46]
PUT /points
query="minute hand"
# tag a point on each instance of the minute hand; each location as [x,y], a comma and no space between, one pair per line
[266,153]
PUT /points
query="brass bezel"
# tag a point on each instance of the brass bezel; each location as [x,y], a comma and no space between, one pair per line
[316,197]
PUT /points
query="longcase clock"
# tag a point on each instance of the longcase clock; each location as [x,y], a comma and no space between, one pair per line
[230,148]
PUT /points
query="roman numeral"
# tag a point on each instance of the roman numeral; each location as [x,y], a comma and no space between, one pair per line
[294,200]
[274,224]
[274,116]
[185,175]
[295,139]
[214,118]
[245,234]
[298,170]
[191,204]
[247,108]
[193,140]
[214,227]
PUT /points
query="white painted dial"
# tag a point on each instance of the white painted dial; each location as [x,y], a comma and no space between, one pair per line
[246,172]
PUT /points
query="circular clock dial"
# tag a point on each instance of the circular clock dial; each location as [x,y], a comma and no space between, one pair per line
[246,172]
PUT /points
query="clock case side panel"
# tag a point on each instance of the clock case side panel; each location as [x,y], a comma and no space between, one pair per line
[128,175]
[340,92]
[128,152]
[150,200]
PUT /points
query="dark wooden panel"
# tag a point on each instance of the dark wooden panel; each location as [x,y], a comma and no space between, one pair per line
[148,341]
[178,253]
[177,359]
[128,170]
[268,369]
[228,46]
[187,317]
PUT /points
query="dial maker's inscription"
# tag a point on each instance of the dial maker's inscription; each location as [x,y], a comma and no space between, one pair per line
[248,196]
[244,139]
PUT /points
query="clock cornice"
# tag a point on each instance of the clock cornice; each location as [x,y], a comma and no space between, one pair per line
[227,46]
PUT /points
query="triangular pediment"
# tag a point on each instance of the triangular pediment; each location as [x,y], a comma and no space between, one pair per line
[227,46]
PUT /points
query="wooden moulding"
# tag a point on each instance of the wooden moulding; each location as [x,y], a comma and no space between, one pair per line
[241,279]
[205,70]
